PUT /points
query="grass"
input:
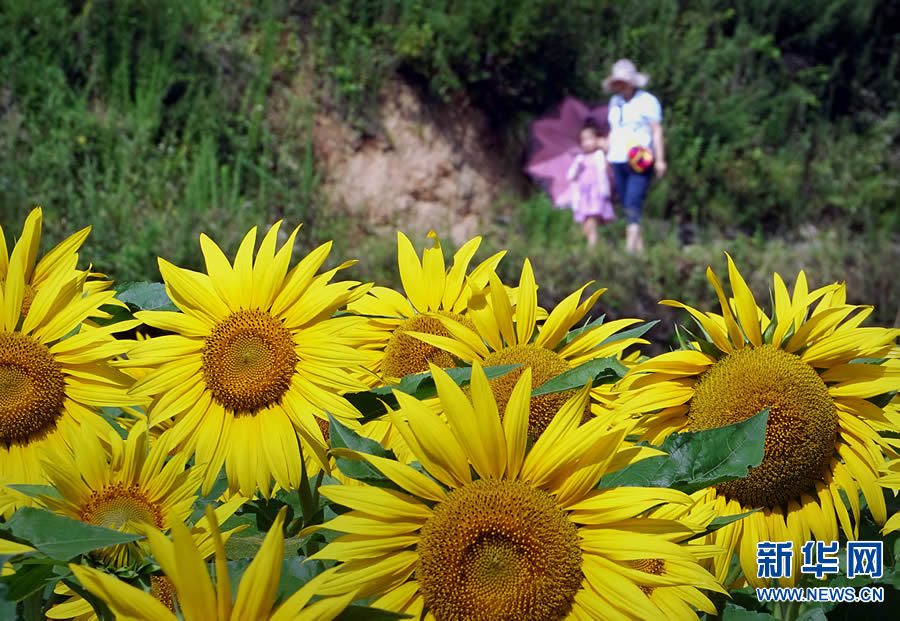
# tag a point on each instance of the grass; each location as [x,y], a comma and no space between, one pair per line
[190,120]
[562,262]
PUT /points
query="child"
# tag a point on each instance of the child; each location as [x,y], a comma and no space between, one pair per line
[592,201]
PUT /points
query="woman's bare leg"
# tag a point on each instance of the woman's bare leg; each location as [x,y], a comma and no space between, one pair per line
[589,228]
[633,242]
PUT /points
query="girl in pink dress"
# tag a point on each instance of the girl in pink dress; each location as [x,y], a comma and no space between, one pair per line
[592,196]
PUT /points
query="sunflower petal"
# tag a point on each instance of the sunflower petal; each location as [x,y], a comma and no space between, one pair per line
[478,430]
[411,273]
[745,305]
[126,601]
[526,304]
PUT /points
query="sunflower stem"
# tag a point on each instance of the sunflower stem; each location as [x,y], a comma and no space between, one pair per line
[308,502]
[792,610]
[719,600]
[32,607]
[315,490]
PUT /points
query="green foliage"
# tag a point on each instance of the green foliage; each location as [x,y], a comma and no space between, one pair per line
[60,537]
[699,459]
[776,113]
[150,121]
[669,270]
[153,121]
[371,403]
[598,371]
[503,53]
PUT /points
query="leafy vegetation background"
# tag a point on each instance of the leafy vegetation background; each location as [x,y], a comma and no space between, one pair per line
[156,120]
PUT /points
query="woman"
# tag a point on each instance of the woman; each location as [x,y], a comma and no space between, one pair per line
[635,120]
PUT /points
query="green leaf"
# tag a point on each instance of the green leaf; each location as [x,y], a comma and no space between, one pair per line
[356,612]
[34,490]
[266,510]
[632,333]
[236,569]
[145,296]
[705,343]
[59,537]
[295,573]
[109,415]
[138,296]
[344,437]
[684,342]
[7,604]
[725,520]
[722,520]
[883,399]
[419,385]
[598,371]
[699,459]
[29,577]
[117,314]
[733,612]
[574,334]
[814,614]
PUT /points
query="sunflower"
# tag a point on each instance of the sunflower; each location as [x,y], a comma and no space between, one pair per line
[199,599]
[126,488]
[891,480]
[76,608]
[62,259]
[430,290]
[815,369]
[123,488]
[54,370]
[202,535]
[501,334]
[255,360]
[497,528]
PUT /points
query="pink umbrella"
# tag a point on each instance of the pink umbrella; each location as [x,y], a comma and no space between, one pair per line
[554,145]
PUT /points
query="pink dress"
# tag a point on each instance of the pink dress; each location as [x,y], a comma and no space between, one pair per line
[592,195]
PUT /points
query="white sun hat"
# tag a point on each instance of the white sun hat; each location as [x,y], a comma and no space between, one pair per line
[624,71]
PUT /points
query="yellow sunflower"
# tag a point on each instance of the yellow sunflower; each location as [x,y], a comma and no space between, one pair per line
[500,528]
[430,289]
[891,480]
[254,362]
[62,259]
[198,597]
[54,370]
[76,608]
[501,333]
[813,369]
[123,488]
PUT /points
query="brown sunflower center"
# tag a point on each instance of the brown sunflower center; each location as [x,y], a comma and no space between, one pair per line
[802,426]
[248,361]
[117,504]
[655,566]
[405,355]
[162,589]
[32,389]
[545,365]
[499,550]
